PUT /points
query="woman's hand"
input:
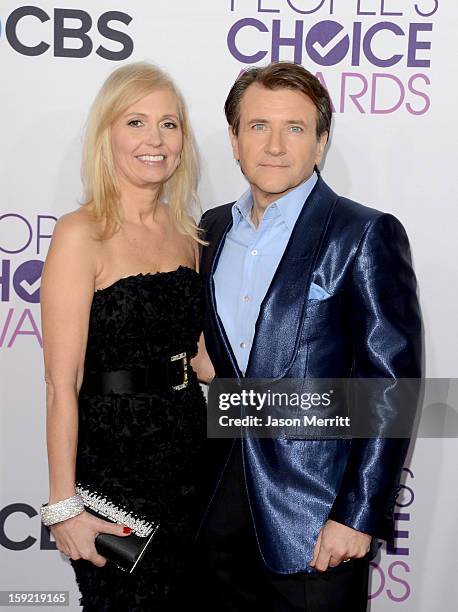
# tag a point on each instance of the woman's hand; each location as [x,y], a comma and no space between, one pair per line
[201,363]
[75,537]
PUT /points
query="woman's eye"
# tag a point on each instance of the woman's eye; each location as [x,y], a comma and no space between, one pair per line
[135,123]
[170,125]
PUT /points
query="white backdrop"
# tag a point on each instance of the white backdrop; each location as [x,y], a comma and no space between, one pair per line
[392,78]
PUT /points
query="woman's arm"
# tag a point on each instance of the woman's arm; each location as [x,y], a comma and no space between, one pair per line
[201,363]
[67,288]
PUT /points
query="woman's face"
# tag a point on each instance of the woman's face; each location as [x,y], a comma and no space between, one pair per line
[147,140]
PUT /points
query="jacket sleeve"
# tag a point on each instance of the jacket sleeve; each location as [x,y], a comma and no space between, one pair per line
[386,331]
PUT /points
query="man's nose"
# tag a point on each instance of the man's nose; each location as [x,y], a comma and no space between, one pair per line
[275,143]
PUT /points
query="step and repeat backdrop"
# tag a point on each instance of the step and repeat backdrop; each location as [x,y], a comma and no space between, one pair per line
[390,67]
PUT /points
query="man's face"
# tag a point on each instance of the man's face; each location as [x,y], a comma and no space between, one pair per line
[276,145]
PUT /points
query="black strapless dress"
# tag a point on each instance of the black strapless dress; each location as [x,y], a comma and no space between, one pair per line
[144,449]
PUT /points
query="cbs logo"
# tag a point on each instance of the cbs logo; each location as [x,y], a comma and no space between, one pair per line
[71,33]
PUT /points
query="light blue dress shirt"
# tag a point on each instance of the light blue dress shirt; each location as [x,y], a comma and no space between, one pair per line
[248,261]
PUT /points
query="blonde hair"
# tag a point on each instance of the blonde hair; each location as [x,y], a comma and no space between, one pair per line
[124,87]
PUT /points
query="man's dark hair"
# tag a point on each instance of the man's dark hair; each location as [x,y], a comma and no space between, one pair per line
[281,75]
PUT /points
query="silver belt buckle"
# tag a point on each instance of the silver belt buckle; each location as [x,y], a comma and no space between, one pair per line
[184,359]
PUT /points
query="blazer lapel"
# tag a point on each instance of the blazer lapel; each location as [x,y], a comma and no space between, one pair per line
[217,231]
[284,306]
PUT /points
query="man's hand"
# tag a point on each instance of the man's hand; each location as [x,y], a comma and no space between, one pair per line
[337,543]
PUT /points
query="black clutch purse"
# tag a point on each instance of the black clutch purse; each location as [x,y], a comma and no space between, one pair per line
[125,552]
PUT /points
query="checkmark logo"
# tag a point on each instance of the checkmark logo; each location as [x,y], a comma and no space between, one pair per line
[327,43]
[30,288]
[324,49]
[27,280]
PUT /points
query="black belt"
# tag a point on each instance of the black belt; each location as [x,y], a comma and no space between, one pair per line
[171,373]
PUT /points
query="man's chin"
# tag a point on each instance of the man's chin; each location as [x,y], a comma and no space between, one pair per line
[275,189]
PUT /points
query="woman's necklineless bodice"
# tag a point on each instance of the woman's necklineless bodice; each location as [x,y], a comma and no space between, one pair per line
[144,316]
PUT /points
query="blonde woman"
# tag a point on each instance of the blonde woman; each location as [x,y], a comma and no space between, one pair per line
[122,315]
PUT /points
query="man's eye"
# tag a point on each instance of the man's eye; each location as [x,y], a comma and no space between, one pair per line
[296,129]
[135,123]
[258,127]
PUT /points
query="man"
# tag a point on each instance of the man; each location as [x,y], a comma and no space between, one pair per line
[300,283]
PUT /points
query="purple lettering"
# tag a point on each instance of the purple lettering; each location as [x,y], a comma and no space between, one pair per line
[360,12]
[434,9]
[39,234]
[266,10]
[278,41]
[313,10]
[26,332]
[414,45]
[386,13]
[14,215]
[391,548]
[367,44]
[376,77]
[6,325]
[26,280]
[5,280]
[389,592]
[420,94]
[320,77]
[356,48]
[326,44]
[238,25]
[378,570]
[403,489]
[353,96]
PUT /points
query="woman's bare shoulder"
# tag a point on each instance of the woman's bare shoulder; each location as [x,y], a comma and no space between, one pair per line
[74,250]
[78,224]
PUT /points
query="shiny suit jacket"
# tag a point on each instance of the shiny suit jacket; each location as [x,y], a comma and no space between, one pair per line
[368,327]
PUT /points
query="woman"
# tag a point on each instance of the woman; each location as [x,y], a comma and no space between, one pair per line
[122,302]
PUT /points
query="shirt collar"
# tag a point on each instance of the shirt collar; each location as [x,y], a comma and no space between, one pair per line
[289,206]
[242,208]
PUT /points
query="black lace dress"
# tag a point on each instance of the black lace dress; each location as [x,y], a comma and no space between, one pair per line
[144,449]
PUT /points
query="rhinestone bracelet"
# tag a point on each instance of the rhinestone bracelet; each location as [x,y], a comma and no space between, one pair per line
[62,510]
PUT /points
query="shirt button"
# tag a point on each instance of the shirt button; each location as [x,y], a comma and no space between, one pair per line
[242,344]
[246,298]
[254,252]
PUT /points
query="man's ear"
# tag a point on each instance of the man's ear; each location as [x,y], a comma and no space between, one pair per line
[322,140]
[234,142]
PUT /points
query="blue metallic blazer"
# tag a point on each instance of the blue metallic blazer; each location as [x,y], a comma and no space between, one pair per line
[370,326]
